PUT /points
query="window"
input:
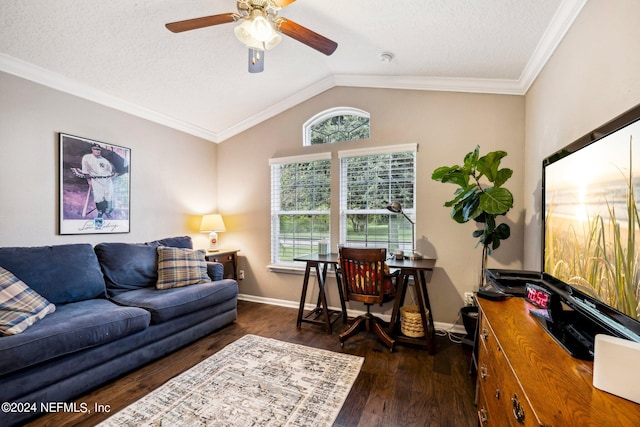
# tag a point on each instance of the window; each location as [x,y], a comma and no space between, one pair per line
[369,180]
[336,125]
[300,205]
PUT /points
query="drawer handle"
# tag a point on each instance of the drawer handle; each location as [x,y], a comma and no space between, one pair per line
[498,393]
[484,416]
[483,372]
[518,411]
[485,333]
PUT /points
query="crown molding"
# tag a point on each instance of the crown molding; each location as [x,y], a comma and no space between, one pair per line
[28,71]
[448,84]
[283,105]
[558,27]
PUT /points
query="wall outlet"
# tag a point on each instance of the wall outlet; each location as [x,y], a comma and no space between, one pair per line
[241,275]
[469,299]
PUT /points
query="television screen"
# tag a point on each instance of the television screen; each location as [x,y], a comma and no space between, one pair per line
[591,196]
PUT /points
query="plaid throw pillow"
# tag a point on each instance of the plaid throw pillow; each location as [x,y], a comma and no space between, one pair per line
[180,267]
[20,306]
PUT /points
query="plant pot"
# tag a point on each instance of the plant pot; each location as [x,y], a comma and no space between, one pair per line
[469,320]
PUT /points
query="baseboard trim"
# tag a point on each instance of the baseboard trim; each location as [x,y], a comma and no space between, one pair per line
[440,326]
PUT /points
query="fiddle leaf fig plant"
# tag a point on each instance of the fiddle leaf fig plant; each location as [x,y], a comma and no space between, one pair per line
[480,195]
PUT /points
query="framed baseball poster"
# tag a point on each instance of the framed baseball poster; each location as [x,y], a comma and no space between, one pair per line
[94,186]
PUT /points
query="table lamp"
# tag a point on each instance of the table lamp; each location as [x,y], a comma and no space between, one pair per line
[396,207]
[212,224]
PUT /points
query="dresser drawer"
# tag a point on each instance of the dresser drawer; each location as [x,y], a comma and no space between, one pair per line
[516,404]
[502,398]
[490,410]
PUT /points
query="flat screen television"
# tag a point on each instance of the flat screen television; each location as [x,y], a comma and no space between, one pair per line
[591,227]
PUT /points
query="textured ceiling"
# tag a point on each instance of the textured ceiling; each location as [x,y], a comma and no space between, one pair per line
[119,53]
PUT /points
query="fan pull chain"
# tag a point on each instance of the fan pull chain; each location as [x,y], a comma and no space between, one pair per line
[256,57]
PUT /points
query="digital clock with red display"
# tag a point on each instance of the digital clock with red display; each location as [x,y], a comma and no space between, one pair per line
[537,295]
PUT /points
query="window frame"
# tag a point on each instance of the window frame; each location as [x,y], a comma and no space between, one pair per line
[276,210]
[327,114]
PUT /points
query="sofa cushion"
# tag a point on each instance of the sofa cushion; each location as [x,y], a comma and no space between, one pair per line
[20,306]
[127,266]
[215,270]
[61,274]
[72,327]
[174,242]
[131,266]
[179,267]
[167,304]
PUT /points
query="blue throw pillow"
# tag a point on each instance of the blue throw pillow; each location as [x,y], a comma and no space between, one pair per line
[127,266]
[61,274]
[131,266]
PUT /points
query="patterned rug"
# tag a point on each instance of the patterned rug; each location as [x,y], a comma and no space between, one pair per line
[253,381]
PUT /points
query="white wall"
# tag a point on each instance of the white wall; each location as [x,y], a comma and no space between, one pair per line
[445,125]
[593,76]
[173,175]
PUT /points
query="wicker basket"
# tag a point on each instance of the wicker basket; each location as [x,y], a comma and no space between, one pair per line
[411,321]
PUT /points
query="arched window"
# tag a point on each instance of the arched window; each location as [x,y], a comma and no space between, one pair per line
[336,125]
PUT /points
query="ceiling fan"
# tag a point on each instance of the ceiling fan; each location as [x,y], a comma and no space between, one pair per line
[260,29]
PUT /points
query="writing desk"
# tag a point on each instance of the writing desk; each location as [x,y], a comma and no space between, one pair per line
[421,270]
[321,314]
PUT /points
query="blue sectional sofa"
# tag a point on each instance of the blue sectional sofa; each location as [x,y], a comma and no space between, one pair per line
[109,318]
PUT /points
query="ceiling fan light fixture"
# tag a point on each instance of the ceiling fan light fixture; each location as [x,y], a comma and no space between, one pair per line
[257,32]
[242,33]
[260,28]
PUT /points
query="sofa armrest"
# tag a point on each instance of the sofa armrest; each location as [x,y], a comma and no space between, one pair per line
[215,270]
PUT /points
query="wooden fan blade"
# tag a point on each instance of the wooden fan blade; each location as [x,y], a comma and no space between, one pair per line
[306,36]
[283,3]
[205,21]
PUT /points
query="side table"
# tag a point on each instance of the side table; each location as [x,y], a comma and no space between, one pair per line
[228,258]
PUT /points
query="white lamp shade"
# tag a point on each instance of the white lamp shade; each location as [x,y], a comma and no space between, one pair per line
[212,223]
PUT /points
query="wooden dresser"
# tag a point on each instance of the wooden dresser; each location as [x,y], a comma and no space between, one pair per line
[526,379]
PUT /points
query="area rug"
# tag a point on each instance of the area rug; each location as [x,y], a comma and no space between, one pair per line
[253,381]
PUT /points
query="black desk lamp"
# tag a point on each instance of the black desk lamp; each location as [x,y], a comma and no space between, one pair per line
[396,207]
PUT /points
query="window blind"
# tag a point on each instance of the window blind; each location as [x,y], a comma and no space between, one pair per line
[300,205]
[369,180]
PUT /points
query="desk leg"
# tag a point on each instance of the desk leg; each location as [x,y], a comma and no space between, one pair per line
[427,321]
[403,281]
[303,297]
[322,296]
[343,305]
[422,297]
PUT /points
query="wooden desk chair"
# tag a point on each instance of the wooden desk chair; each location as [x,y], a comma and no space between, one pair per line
[365,278]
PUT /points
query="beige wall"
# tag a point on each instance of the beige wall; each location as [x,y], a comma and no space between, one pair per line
[173,175]
[445,125]
[177,177]
[592,77]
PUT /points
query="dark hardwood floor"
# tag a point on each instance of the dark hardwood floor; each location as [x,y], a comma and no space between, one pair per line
[408,387]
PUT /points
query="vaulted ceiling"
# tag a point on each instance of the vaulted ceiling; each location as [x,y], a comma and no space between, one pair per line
[119,53]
